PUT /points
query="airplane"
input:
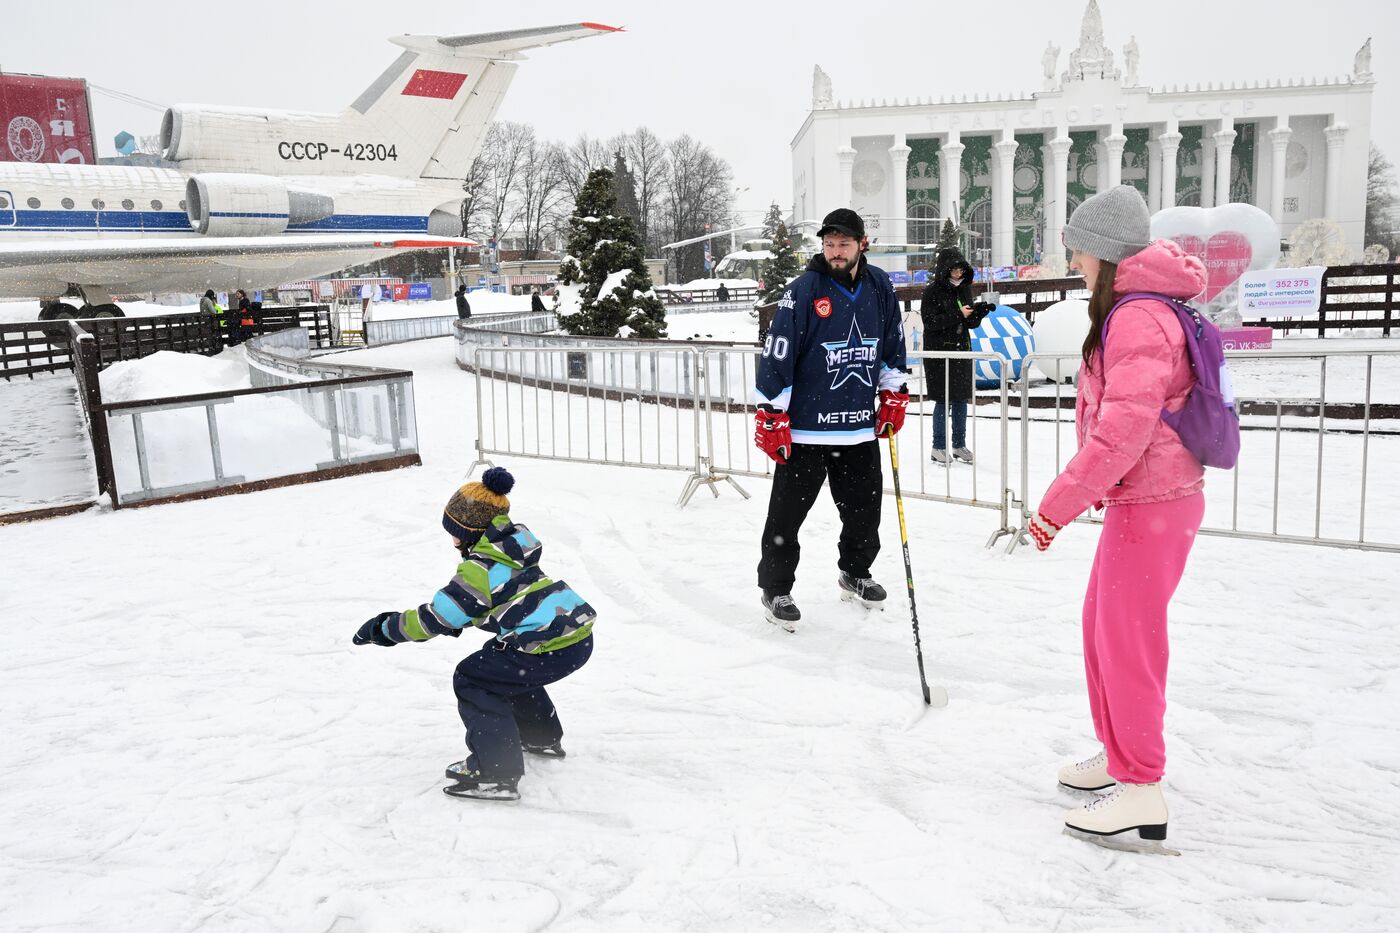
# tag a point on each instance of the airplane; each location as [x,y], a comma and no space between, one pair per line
[255,198]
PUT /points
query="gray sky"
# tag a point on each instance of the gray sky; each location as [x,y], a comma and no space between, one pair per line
[736,75]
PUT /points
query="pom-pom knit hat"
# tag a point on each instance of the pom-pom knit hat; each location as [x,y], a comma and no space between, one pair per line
[471,508]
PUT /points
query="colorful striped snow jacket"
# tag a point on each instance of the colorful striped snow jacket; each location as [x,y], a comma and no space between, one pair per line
[499,588]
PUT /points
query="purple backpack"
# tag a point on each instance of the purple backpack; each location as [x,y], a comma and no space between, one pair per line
[1208,424]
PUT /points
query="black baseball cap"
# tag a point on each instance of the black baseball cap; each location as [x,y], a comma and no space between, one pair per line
[843,220]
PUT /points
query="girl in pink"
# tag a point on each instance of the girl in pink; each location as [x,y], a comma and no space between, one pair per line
[1134,465]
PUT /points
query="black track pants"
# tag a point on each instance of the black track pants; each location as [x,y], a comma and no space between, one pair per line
[856,483]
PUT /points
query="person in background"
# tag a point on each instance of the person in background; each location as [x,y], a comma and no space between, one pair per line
[240,318]
[207,304]
[536,302]
[722,294]
[949,316]
[464,308]
[1135,465]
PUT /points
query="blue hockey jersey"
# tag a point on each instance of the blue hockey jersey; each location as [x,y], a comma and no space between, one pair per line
[829,351]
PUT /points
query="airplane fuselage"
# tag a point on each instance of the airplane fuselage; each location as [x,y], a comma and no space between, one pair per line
[119,202]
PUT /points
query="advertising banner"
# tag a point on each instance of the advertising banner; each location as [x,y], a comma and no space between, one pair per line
[420,291]
[1270,293]
[45,120]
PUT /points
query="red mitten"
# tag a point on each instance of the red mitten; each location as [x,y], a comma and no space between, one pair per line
[890,418]
[772,434]
[1043,531]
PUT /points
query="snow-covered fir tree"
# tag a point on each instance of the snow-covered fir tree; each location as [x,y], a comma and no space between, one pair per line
[605,257]
[785,265]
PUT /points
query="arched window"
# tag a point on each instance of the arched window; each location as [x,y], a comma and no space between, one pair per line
[979,228]
[923,224]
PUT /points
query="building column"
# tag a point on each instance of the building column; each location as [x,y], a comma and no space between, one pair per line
[1059,148]
[899,191]
[846,158]
[1224,146]
[1004,201]
[1154,175]
[1278,138]
[1170,142]
[1113,145]
[1336,139]
[1207,169]
[950,182]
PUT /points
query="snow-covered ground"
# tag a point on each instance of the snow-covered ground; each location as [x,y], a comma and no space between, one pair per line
[191,741]
[45,456]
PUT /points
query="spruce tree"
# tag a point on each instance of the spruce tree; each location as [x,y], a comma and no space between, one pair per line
[784,266]
[608,260]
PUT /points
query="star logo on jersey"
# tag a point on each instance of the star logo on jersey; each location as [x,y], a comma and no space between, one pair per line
[822,306]
[853,357]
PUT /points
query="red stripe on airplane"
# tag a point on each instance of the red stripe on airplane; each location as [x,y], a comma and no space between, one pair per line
[600,26]
[440,84]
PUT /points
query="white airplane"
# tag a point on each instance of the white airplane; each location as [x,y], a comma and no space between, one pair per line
[256,198]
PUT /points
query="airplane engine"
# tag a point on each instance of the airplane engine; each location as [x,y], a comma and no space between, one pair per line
[233,204]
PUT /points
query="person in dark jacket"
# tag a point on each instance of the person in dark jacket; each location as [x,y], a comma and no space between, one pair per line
[949,316]
[240,318]
[464,308]
[723,293]
[536,302]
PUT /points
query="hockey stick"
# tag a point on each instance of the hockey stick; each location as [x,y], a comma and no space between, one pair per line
[937,696]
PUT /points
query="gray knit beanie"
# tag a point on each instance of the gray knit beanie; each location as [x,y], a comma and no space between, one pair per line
[1112,225]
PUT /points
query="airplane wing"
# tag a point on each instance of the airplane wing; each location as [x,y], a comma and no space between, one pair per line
[508,44]
[193,263]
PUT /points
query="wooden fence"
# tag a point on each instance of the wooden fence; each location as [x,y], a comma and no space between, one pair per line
[45,346]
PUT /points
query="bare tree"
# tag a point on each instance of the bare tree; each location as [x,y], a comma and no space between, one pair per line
[646,157]
[581,157]
[698,190]
[542,194]
[506,148]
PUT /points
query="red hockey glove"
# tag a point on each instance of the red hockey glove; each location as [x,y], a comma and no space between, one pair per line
[1043,531]
[772,434]
[890,418]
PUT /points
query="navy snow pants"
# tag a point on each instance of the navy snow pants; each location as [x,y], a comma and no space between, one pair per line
[502,701]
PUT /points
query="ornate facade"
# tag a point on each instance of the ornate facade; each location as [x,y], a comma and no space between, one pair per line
[1011,170]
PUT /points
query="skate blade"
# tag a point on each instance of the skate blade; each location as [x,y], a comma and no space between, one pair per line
[873,605]
[1139,847]
[790,627]
[464,791]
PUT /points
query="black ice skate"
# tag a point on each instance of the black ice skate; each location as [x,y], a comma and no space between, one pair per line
[781,610]
[469,783]
[544,751]
[863,590]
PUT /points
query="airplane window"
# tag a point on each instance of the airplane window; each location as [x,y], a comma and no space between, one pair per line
[98,204]
[128,204]
[182,205]
[68,204]
[34,204]
[156,205]
[4,203]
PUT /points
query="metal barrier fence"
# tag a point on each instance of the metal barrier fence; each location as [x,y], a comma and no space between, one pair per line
[1306,466]
[378,333]
[328,420]
[689,409]
[728,377]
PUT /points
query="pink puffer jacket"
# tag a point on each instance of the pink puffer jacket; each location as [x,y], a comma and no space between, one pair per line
[1127,453]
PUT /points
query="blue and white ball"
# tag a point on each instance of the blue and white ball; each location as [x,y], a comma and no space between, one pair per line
[1006,332]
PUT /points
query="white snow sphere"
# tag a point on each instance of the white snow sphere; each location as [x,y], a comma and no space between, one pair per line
[1061,329]
[1006,332]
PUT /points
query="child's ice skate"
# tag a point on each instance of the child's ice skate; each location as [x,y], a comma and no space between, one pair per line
[469,783]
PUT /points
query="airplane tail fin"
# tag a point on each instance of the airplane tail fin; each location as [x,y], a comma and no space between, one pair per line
[436,101]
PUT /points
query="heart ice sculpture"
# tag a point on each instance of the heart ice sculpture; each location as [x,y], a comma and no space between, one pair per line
[1231,239]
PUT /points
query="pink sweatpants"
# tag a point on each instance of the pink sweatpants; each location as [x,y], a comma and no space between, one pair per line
[1142,553]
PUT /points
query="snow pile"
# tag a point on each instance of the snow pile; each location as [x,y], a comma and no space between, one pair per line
[613,283]
[167,373]
[709,285]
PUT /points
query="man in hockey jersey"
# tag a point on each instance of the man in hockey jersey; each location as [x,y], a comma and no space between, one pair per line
[830,381]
